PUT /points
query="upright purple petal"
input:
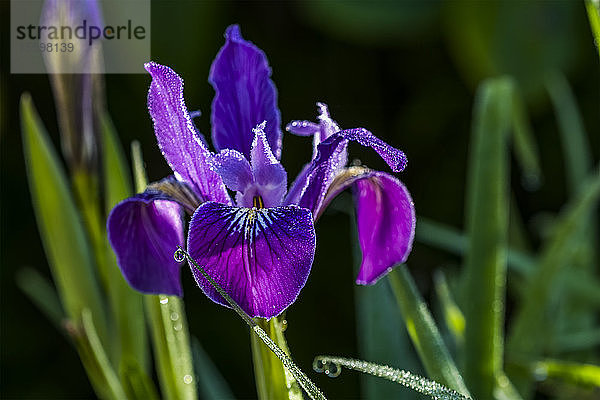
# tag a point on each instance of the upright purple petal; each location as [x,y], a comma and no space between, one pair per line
[144,231]
[268,172]
[177,139]
[261,258]
[234,169]
[245,96]
[325,166]
[302,128]
[386,225]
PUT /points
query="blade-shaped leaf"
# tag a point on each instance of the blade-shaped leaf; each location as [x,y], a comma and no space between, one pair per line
[61,230]
[593,11]
[423,331]
[211,383]
[436,391]
[526,151]
[42,294]
[487,227]
[528,335]
[94,358]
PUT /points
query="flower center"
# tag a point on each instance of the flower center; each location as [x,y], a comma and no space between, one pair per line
[257,202]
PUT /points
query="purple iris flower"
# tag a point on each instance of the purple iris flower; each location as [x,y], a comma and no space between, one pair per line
[259,242]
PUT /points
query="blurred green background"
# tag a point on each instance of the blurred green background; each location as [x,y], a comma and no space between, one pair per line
[405,70]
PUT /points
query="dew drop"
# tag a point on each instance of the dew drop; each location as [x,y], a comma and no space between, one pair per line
[284,325]
[164,300]
[174,316]
[188,379]
[318,365]
[178,326]
[333,370]
[179,255]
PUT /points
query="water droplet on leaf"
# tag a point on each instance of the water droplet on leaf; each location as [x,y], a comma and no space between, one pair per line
[164,300]
[179,255]
[187,379]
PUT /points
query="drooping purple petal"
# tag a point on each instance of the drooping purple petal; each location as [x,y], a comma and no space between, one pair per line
[260,257]
[268,172]
[325,166]
[386,225]
[144,231]
[234,169]
[176,135]
[245,96]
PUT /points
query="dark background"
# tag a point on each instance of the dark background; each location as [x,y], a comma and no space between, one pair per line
[407,71]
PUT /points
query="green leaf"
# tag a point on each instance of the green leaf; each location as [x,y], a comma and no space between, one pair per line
[487,228]
[593,11]
[578,158]
[211,383]
[424,332]
[94,358]
[575,373]
[42,294]
[529,329]
[379,329]
[136,383]
[452,240]
[61,230]
[455,320]
[526,151]
[126,304]
[332,365]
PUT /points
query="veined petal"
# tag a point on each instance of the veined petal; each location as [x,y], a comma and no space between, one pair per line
[176,135]
[234,169]
[144,231]
[325,166]
[268,172]
[260,257]
[386,225]
[245,96]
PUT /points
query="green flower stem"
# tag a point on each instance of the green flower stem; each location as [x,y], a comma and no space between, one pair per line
[171,340]
[423,331]
[273,380]
[168,325]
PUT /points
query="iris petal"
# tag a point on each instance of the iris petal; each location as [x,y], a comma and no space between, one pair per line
[234,169]
[325,166]
[245,96]
[144,231]
[268,172]
[386,225]
[261,257]
[176,135]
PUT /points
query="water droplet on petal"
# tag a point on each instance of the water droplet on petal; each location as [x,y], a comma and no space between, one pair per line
[188,379]
[179,255]
[164,300]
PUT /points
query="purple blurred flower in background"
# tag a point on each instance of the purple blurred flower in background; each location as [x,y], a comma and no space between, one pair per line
[259,246]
